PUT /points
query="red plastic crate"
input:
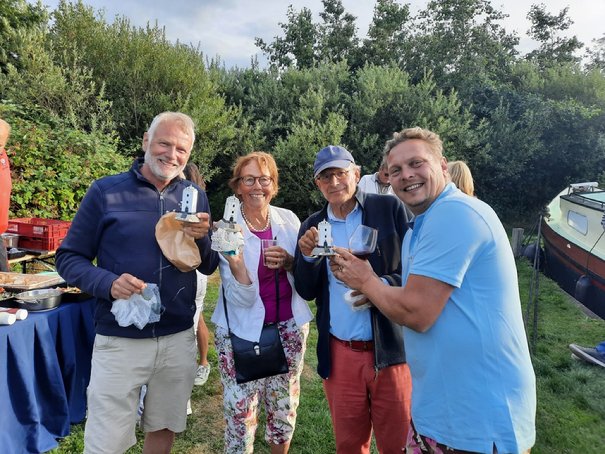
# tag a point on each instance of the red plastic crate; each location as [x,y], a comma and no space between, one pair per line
[38,228]
[39,244]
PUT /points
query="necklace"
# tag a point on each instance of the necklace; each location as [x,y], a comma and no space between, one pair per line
[262,229]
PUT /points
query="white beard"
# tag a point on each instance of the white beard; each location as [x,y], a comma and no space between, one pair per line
[159,171]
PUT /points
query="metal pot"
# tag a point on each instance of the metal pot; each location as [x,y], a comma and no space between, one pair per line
[39,300]
[10,240]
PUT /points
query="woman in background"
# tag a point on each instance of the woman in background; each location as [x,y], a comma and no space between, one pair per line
[202,335]
[461,177]
[192,173]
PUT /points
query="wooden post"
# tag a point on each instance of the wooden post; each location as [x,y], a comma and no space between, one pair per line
[517,241]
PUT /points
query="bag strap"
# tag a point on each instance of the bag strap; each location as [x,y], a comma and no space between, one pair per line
[276,296]
[225,307]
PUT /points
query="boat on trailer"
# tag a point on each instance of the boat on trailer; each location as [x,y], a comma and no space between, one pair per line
[573,234]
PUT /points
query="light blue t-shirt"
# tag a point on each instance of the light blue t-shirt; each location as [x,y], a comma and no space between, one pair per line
[473,381]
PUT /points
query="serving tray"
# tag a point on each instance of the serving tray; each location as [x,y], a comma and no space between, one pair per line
[20,281]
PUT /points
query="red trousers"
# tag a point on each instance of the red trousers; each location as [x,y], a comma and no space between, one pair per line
[361,400]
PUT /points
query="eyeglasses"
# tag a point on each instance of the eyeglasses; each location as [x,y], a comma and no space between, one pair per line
[326,177]
[249,180]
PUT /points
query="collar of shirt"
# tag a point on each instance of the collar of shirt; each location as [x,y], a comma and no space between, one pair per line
[355,213]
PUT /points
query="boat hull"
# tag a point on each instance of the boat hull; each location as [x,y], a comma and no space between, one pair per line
[577,271]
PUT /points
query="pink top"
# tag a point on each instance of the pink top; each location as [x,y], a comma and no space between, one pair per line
[5,190]
[266,286]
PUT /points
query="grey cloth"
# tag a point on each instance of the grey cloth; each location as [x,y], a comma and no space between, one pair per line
[3,259]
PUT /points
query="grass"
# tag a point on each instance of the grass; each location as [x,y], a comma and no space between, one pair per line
[571,405]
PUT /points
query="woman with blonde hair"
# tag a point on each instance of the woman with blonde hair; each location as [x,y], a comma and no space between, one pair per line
[461,176]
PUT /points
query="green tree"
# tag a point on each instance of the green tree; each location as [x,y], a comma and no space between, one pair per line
[306,44]
[546,29]
[313,127]
[541,132]
[388,35]
[52,93]
[298,46]
[144,74]
[463,44]
[270,99]
[17,17]
[337,34]
[596,55]
[511,140]
[386,101]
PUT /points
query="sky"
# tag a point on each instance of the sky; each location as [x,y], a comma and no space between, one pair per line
[227,28]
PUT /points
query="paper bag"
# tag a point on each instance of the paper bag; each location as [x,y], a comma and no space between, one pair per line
[179,248]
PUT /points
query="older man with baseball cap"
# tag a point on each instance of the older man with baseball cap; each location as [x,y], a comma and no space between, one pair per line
[360,352]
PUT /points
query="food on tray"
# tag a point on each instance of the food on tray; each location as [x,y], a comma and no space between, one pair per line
[12,279]
[28,281]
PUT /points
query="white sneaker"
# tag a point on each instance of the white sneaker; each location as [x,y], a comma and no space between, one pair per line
[590,355]
[202,374]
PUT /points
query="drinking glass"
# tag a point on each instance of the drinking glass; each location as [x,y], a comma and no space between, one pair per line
[363,241]
[266,244]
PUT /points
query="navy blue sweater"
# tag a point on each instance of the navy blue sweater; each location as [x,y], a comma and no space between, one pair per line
[115,225]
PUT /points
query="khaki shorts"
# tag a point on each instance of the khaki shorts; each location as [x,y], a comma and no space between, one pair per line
[120,366]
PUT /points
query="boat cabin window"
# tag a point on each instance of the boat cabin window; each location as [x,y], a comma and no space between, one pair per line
[577,221]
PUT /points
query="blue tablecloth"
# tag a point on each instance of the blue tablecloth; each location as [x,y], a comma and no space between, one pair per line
[44,372]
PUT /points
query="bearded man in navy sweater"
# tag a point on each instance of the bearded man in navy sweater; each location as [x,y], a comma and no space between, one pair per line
[111,253]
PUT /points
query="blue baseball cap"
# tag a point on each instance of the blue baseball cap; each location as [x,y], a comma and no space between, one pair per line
[332,156]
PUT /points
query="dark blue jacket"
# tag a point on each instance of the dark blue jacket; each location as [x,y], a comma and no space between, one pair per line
[387,214]
[115,225]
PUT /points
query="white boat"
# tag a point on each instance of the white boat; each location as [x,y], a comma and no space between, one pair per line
[573,232]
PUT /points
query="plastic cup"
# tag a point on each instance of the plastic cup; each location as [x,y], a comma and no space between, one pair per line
[266,244]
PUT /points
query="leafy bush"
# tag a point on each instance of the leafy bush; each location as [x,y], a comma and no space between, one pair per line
[52,166]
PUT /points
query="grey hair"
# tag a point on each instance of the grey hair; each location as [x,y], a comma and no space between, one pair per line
[180,118]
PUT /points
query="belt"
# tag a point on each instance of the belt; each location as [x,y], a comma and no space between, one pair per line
[356,345]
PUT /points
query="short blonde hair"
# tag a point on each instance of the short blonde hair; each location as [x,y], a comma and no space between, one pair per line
[431,138]
[264,161]
[461,176]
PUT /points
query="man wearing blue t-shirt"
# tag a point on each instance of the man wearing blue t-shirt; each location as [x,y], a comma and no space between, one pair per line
[473,381]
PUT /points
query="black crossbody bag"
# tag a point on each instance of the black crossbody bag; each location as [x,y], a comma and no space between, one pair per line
[265,358]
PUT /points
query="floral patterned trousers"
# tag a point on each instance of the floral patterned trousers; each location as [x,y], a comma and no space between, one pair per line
[280,394]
